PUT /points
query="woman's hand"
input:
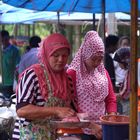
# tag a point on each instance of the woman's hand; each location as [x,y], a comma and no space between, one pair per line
[96,130]
[63,112]
[33,112]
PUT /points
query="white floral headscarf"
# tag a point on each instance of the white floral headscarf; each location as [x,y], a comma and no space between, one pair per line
[94,83]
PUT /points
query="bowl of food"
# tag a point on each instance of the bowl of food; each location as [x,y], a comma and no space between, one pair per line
[115,127]
[114,119]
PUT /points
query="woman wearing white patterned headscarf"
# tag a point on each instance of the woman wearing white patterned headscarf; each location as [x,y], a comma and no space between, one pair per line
[95,94]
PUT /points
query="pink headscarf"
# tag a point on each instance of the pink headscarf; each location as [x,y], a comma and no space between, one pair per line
[94,83]
[58,80]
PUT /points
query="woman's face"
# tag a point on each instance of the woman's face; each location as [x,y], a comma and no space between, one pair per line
[59,59]
[93,62]
[124,43]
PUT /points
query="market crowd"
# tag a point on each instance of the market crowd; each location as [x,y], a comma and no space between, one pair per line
[96,82]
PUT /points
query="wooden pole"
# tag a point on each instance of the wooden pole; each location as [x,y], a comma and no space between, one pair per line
[3,27]
[1,61]
[94,21]
[29,28]
[58,22]
[69,34]
[103,16]
[16,30]
[133,72]
[33,31]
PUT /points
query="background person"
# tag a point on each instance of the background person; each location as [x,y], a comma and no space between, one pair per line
[10,58]
[122,56]
[30,57]
[120,73]
[95,95]
[111,45]
[124,41]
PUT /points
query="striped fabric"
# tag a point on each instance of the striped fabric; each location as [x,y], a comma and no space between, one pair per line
[29,93]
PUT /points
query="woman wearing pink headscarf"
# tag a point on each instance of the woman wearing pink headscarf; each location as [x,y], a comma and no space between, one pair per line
[44,92]
[95,95]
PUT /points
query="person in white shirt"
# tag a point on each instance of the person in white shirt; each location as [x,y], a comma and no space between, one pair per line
[120,73]
[122,56]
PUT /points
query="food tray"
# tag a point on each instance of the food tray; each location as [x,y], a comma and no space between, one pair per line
[72,125]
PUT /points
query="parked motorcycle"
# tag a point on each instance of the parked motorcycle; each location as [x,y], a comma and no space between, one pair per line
[7,116]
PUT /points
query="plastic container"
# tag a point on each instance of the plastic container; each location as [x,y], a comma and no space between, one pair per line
[115,127]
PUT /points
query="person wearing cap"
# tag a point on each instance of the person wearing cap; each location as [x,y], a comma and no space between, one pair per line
[95,95]
[44,91]
[122,56]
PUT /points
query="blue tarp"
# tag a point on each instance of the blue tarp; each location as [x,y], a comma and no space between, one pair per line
[10,14]
[87,6]
[4,8]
